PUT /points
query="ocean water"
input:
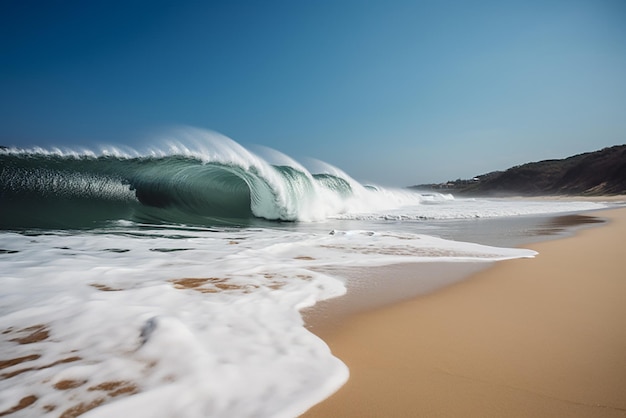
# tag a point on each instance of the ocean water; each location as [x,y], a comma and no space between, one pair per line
[168,281]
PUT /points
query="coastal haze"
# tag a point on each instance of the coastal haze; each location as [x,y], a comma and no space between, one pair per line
[596,173]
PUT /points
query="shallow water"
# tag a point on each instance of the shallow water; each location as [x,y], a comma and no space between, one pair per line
[374,287]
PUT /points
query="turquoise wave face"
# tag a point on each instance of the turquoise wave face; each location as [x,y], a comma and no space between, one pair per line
[46,190]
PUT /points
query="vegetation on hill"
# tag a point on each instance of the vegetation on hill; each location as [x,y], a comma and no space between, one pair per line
[593,173]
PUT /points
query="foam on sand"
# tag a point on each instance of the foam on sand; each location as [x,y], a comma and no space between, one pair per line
[158,322]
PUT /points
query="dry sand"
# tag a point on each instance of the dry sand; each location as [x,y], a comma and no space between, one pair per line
[542,337]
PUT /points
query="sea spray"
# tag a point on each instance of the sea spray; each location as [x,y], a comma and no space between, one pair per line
[197,177]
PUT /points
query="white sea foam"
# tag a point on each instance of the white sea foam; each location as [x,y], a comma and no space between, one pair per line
[120,320]
[440,207]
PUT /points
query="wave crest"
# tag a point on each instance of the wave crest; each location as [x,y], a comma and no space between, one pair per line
[195,176]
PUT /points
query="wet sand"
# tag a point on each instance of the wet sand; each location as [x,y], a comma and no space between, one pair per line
[525,338]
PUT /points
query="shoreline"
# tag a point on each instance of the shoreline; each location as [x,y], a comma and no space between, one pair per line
[525,337]
[393,283]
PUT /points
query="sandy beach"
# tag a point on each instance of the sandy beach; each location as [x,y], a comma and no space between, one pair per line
[542,337]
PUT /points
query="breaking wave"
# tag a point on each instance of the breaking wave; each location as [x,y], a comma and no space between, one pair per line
[199,177]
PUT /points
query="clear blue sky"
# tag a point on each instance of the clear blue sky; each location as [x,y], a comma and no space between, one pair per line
[392,92]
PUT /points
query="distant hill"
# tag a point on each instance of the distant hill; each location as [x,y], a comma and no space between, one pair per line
[594,173]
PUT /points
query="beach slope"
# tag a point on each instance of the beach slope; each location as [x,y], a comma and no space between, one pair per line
[540,337]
